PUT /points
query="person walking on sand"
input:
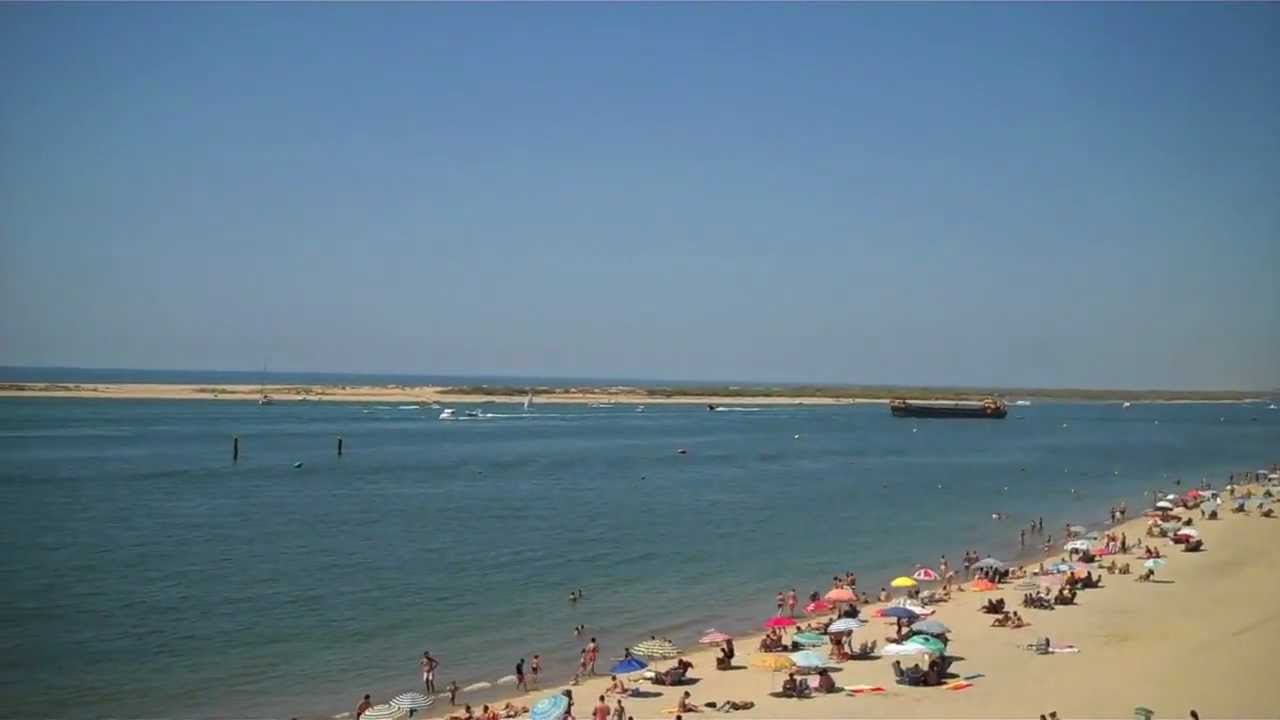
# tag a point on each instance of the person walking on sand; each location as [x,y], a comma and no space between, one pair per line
[620,713]
[429,665]
[582,667]
[601,710]
[520,681]
[791,602]
[365,704]
[535,667]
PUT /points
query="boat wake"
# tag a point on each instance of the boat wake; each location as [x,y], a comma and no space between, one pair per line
[736,409]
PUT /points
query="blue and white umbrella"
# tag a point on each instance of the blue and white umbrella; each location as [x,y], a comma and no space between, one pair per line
[1154,563]
[900,612]
[844,625]
[807,659]
[988,562]
[551,707]
[411,700]
[385,711]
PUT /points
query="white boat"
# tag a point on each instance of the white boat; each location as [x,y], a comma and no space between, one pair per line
[265,400]
[640,409]
[471,413]
[528,402]
[448,414]
[1127,405]
[1272,406]
[1022,403]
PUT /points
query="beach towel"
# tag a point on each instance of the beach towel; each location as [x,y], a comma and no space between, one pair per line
[1064,649]
[957,685]
[860,689]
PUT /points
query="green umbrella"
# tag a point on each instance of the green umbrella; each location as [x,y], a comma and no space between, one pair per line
[810,639]
[931,645]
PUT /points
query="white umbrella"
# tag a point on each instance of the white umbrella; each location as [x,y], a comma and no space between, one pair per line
[1170,497]
[411,700]
[385,711]
[1164,505]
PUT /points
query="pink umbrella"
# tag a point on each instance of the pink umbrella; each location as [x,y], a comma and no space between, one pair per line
[778,621]
[714,637]
[840,595]
[926,575]
[818,606]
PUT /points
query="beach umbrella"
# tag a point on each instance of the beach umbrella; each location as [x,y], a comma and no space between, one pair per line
[925,575]
[903,649]
[810,639]
[385,711]
[653,648]
[628,665]
[1076,545]
[772,662]
[411,700]
[988,562]
[903,582]
[714,637]
[1154,563]
[818,606]
[1171,497]
[551,707]
[1164,505]
[840,595]
[778,621]
[844,625]
[807,659]
[930,627]
[932,644]
[899,612]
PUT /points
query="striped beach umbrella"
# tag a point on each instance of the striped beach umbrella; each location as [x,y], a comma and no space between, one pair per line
[385,711]
[926,575]
[714,637]
[411,700]
[844,625]
[654,648]
[551,707]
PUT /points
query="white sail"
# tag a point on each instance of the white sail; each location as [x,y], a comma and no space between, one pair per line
[528,402]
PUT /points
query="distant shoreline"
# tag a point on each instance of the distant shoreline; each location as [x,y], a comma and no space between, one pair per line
[622,395]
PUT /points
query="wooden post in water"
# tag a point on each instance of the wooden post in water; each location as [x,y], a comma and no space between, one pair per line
[339,446]
[235,448]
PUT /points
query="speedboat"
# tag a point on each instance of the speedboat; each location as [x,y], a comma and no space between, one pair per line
[1127,405]
[471,413]
[265,400]
[448,414]
[640,409]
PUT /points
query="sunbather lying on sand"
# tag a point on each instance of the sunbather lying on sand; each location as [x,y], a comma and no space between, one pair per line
[513,711]
[731,705]
[616,686]
[1002,621]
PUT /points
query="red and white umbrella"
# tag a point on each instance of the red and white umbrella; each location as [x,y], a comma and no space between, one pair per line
[926,575]
[714,637]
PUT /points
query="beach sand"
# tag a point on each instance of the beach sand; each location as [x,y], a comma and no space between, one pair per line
[1201,637]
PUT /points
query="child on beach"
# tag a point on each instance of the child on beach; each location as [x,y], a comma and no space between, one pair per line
[453,692]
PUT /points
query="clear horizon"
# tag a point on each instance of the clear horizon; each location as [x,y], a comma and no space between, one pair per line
[1038,196]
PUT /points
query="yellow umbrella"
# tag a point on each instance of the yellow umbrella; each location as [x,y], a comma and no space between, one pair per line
[772,662]
[903,582]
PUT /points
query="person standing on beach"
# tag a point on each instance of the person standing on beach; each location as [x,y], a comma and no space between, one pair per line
[1123,510]
[429,665]
[593,652]
[782,601]
[535,667]
[520,681]
[1022,537]
[620,713]
[942,566]
[453,692]
[582,667]
[1040,525]
[601,710]
[791,602]
[365,704]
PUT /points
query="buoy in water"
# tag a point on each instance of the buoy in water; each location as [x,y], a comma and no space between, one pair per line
[797,436]
[297,464]
[682,451]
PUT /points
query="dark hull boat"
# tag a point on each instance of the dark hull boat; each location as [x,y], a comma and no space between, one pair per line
[987,409]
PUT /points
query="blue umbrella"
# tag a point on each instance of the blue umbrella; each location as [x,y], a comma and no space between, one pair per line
[628,665]
[551,707]
[899,612]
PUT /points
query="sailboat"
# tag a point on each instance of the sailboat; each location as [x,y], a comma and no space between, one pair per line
[265,399]
[528,402]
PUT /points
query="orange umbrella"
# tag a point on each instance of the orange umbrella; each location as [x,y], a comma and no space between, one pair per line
[841,595]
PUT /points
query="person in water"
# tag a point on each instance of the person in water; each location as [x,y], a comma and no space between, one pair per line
[429,665]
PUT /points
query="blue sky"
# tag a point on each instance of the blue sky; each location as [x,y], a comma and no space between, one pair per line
[1055,195]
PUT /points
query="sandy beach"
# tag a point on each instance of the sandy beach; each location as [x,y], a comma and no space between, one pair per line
[1200,637]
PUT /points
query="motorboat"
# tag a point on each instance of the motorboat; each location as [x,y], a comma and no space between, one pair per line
[471,413]
[1127,405]
[448,414]
[640,409]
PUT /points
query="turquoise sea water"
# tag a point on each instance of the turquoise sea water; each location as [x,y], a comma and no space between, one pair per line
[146,574]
